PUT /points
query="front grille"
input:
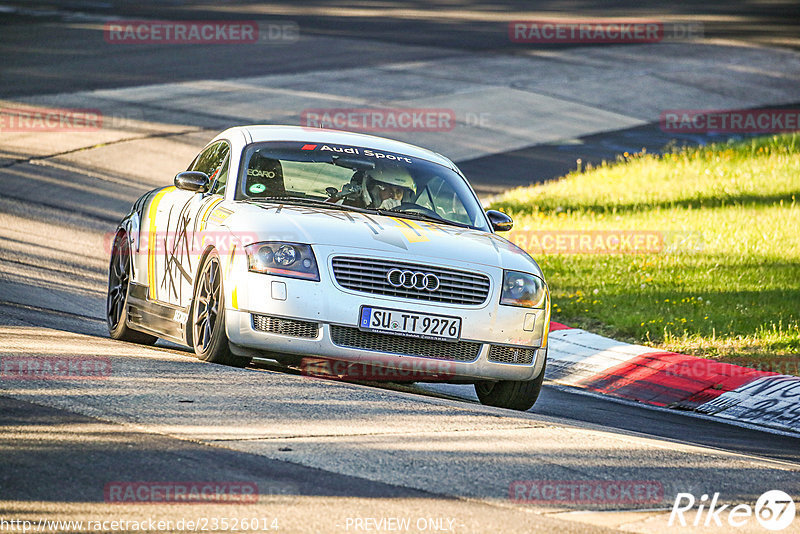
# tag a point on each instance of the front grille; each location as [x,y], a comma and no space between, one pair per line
[285,327]
[371,276]
[511,354]
[459,351]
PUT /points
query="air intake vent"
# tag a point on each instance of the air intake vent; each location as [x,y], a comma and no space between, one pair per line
[459,351]
[521,355]
[285,327]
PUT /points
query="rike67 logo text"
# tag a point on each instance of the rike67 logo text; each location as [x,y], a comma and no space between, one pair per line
[774,510]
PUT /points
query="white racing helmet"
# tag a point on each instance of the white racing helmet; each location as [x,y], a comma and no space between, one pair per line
[390,175]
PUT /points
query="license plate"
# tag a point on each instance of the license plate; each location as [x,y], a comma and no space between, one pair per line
[409,324]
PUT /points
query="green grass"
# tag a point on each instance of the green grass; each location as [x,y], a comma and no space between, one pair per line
[726,283]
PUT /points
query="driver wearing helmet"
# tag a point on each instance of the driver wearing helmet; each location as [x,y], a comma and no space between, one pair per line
[387,187]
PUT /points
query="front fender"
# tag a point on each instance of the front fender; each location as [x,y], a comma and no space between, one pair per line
[131,226]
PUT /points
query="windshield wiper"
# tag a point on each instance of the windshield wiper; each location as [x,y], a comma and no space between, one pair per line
[311,201]
[420,217]
[345,207]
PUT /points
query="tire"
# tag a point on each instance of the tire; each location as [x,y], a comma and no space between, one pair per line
[209,338]
[119,277]
[514,395]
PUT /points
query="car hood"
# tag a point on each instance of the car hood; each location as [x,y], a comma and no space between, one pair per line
[376,234]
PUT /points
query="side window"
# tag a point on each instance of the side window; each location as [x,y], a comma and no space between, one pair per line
[218,187]
[214,162]
[440,197]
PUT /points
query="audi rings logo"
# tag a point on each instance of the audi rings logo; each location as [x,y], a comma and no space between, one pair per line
[413,280]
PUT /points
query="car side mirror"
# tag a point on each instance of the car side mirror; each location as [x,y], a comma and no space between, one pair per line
[500,221]
[195,181]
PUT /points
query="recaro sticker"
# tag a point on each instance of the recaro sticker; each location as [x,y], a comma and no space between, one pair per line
[261,174]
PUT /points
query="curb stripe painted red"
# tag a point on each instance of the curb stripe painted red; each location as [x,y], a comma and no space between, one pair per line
[666,378]
[671,380]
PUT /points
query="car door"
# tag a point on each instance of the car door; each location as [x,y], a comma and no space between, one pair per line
[183,220]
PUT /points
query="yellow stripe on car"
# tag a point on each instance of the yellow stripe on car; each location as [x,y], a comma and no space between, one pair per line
[219,215]
[151,240]
[204,218]
[413,232]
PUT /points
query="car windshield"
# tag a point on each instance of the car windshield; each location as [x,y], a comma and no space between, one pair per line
[358,177]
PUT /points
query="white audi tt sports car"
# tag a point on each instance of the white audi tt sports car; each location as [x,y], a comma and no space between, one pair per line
[309,246]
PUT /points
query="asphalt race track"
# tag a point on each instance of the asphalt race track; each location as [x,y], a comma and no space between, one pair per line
[329,456]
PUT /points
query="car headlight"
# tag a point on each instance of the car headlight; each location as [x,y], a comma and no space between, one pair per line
[282,259]
[523,289]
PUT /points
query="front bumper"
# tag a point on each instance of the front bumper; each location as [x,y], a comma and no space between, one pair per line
[335,310]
